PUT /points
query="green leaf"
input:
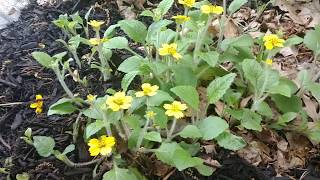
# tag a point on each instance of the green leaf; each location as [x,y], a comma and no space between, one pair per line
[43,58]
[285,87]
[147,13]
[212,126]
[127,79]
[188,94]
[205,170]
[210,57]
[304,78]
[193,148]
[62,107]
[166,151]
[135,29]
[119,174]
[116,43]
[251,120]
[230,141]
[261,79]
[174,155]
[264,109]
[132,63]
[159,98]
[69,149]
[285,118]
[285,104]
[93,128]
[218,87]
[164,6]
[133,121]
[153,136]
[111,29]
[247,118]
[312,40]
[184,76]
[183,160]
[154,28]
[160,118]
[314,88]
[44,145]
[294,40]
[236,5]
[23,176]
[190,131]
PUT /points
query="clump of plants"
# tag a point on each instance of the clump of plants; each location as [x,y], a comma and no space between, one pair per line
[183,77]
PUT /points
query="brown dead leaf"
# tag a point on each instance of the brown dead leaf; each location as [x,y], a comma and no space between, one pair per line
[304,13]
[212,163]
[211,148]
[244,102]
[256,153]
[219,108]
[203,101]
[311,108]
[231,29]
[125,10]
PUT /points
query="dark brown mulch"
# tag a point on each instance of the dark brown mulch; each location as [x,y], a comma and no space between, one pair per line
[21,78]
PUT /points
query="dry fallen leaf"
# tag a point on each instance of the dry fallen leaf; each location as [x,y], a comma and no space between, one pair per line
[304,13]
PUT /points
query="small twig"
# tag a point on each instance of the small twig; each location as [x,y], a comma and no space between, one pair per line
[4,143]
[11,104]
[169,174]
[8,83]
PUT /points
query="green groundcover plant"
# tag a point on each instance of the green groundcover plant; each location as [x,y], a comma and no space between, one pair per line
[183,74]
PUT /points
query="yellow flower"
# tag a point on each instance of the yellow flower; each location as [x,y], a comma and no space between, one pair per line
[175,109]
[211,9]
[150,114]
[94,41]
[102,146]
[147,90]
[269,61]
[38,104]
[95,24]
[188,3]
[91,97]
[180,19]
[271,41]
[97,41]
[119,101]
[170,49]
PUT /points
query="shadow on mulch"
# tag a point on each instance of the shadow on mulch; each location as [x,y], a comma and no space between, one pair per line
[21,78]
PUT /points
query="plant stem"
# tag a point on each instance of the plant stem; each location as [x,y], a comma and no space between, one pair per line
[76,129]
[222,24]
[200,38]
[69,163]
[173,126]
[142,133]
[62,83]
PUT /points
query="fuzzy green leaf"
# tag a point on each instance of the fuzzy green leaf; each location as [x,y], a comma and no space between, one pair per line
[212,126]
[218,87]
[44,145]
[190,131]
[188,94]
[135,29]
[230,141]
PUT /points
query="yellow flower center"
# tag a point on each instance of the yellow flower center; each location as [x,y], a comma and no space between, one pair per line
[150,114]
[119,101]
